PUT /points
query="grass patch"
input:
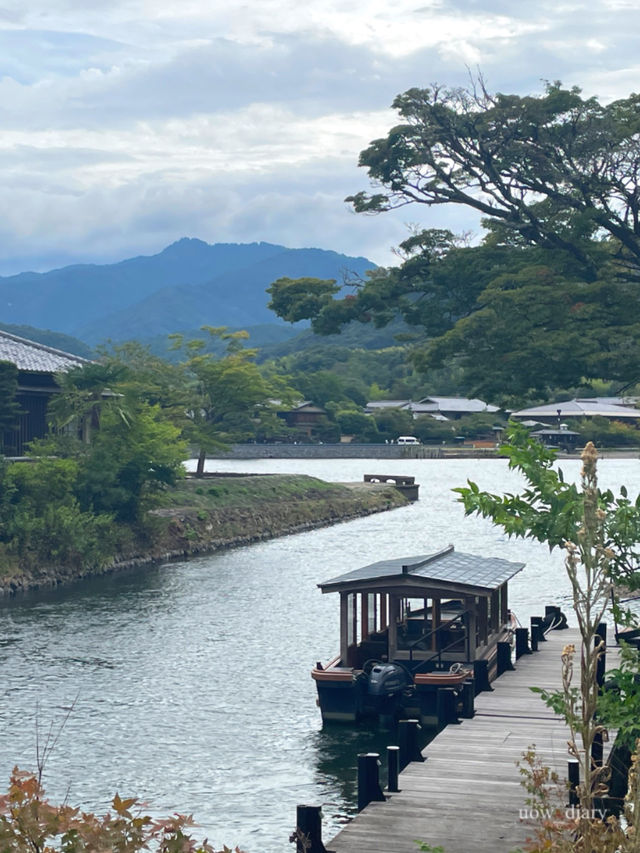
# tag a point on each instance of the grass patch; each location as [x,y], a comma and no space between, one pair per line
[226,492]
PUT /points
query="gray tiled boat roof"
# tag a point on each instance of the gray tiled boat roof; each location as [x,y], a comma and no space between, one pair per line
[34,357]
[447,566]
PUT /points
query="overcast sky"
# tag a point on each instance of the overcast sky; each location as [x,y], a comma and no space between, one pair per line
[127,124]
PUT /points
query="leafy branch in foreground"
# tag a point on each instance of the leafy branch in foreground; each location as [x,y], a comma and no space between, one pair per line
[29,823]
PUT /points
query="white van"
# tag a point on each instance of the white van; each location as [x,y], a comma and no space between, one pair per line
[407,439]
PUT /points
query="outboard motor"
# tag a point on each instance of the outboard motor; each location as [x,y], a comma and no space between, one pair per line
[388,679]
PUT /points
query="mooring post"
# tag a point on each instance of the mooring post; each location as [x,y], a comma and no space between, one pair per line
[573,776]
[393,768]
[503,658]
[408,740]
[534,635]
[308,834]
[538,621]
[369,789]
[597,749]
[446,699]
[601,632]
[522,642]
[481,676]
[468,698]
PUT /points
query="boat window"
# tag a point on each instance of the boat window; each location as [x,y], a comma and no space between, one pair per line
[372,613]
[352,619]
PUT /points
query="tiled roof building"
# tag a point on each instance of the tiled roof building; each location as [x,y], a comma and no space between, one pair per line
[37,366]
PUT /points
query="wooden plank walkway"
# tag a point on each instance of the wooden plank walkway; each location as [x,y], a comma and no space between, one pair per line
[467,794]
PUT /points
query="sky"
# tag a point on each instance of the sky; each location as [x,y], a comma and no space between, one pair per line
[128,124]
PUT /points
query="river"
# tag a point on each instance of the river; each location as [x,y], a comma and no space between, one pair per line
[188,684]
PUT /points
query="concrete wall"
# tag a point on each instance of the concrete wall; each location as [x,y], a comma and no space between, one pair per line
[328,451]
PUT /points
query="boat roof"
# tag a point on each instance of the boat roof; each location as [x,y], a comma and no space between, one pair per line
[447,570]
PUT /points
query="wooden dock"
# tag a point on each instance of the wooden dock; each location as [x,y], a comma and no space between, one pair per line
[467,794]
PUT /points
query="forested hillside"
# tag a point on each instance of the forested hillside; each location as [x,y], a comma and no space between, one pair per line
[187,285]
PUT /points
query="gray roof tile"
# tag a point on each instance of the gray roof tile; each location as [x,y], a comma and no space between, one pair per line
[34,357]
[448,566]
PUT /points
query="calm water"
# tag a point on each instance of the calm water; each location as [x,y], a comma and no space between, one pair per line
[190,682]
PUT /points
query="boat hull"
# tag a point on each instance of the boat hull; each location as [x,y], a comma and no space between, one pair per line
[340,695]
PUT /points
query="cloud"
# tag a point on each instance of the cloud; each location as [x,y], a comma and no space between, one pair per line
[130,123]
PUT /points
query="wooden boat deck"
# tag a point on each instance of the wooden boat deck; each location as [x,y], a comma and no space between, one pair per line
[467,794]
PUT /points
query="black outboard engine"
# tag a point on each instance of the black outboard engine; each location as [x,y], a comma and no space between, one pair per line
[388,679]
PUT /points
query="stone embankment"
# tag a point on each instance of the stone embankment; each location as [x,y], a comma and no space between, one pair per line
[220,512]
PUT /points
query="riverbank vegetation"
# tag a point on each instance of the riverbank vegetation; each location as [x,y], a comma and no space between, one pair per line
[47,538]
[108,487]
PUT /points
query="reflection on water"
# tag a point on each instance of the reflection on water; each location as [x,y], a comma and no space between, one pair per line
[337,747]
[191,680]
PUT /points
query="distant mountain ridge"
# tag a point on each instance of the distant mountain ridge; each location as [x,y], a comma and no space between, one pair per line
[189,284]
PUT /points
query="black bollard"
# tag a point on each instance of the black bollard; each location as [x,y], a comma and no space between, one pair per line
[503,658]
[446,700]
[539,622]
[468,697]
[369,789]
[522,642]
[308,835]
[481,676]
[573,775]
[393,768]
[408,741]
[534,635]
[597,749]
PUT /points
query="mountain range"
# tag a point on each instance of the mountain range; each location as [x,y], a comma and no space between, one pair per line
[189,284]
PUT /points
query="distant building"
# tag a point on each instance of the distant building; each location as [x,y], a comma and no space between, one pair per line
[563,438]
[37,368]
[554,413]
[304,417]
[440,408]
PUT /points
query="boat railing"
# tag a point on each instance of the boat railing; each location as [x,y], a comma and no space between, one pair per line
[438,633]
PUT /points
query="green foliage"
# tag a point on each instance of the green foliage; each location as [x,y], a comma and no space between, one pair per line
[362,427]
[9,407]
[606,433]
[128,462]
[619,703]
[298,299]
[30,823]
[554,169]
[42,521]
[229,397]
[393,422]
[431,431]
[549,299]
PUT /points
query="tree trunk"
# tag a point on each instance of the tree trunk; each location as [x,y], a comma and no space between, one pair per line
[202,457]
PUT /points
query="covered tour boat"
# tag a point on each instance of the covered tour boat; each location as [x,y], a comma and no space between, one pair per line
[411,625]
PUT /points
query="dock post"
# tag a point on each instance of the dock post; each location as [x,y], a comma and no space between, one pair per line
[308,834]
[503,658]
[573,775]
[538,621]
[446,699]
[368,779]
[408,740]
[481,676]
[393,768]
[468,697]
[534,634]
[601,631]
[522,642]
[597,749]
